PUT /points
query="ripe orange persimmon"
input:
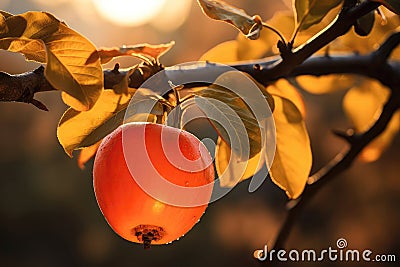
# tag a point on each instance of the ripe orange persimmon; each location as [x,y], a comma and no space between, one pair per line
[143,149]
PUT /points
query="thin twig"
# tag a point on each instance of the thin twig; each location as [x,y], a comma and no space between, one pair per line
[338,165]
[276,31]
[388,75]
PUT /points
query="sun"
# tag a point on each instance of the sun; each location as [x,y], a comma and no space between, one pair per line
[129,12]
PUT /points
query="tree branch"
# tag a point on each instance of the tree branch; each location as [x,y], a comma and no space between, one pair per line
[370,65]
[343,23]
[23,87]
[338,165]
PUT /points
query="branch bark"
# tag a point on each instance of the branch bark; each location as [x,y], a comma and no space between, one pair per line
[374,66]
[23,87]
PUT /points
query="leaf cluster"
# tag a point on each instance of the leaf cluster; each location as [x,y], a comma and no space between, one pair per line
[73,65]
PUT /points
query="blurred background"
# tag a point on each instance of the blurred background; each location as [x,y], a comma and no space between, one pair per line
[48,212]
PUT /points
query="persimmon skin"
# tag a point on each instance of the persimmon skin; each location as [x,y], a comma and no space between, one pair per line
[131,212]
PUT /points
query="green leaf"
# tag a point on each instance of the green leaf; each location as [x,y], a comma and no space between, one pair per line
[364,25]
[231,114]
[311,12]
[393,5]
[293,159]
[219,10]
[147,52]
[39,36]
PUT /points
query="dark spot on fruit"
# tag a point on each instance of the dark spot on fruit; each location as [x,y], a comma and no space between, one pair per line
[148,233]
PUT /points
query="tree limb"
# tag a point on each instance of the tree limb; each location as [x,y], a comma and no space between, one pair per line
[371,65]
[22,88]
[343,23]
[338,165]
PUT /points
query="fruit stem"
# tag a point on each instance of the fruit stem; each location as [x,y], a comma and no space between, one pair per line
[178,111]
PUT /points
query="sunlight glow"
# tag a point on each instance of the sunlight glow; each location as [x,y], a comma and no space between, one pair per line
[173,15]
[52,3]
[129,12]
[4,4]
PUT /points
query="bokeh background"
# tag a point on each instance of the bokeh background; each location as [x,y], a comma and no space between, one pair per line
[48,213]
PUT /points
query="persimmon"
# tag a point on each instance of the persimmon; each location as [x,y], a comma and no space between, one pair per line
[152,182]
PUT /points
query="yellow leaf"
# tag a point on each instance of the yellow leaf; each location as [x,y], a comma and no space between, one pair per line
[75,126]
[284,89]
[225,52]
[310,12]
[147,101]
[231,170]
[30,25]
[363,105]
[78,129]
[232,115]
[244,49]
[5,14]
[266,45]
[25,33]
[86,153]
[325,84]
[351,42]
[219,10]
[293,159]
[31,49]
[66,70]
[3,24]
[375,149]
[43,38]
[142,51]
